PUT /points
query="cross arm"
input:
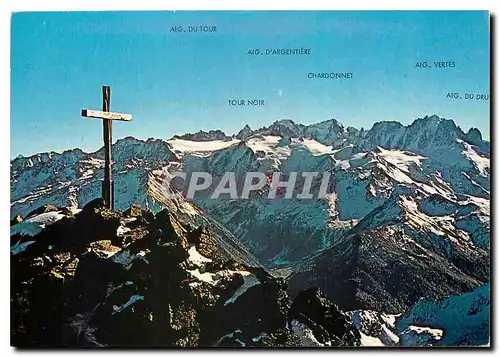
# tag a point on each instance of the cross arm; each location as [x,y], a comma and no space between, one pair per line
[97,114]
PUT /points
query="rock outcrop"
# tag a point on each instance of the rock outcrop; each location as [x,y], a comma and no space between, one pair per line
[102,278]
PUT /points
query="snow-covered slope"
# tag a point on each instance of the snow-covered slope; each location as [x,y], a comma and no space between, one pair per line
[464,320]
[458,320]
[73,178]
[397,254]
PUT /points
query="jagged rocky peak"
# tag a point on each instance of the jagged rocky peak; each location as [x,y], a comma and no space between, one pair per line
[387,134]
[284,127]
[424,135]
[431,132]
[474,137]
[204,136]
[104,267]
[330,127]
[432,117]
[244,133]
[131,142]
[386,125]
[353,132]
[41,160]
[434,123]
[285,122]
[334,124]
[329,132]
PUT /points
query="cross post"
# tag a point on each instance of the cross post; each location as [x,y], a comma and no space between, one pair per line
[107,117]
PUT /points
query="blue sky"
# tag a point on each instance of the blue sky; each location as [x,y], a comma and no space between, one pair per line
[173,83]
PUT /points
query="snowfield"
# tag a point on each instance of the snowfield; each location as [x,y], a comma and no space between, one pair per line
[200,148]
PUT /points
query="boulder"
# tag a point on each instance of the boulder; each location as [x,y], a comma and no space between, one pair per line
[133,211]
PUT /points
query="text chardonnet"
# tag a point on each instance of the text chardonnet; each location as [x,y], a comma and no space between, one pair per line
[331,75]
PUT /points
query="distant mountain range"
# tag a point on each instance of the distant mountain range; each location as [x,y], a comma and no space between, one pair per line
[409,217]
[332,132]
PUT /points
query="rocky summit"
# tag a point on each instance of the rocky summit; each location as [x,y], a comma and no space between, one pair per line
[95,278]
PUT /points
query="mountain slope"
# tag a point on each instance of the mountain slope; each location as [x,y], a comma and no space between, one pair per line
[387,263]
[407,217]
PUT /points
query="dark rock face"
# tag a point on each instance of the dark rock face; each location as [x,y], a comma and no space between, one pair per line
[474,137]
[328,324]
[204,136]
[100,278]
[284,141]
[92,205]
[284,127]
[369,270]
[244,133]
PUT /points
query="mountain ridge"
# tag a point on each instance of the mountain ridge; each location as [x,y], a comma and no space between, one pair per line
[473,135]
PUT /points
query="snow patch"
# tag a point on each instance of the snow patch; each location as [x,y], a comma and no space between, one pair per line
[121,230]
[34,225]
[316,147]
[20,247]
[259,337]
[376,328]
[200,148]
[401,159]
[126,259]
[305,335]
[269,145]
[481,163]
[249,281]
[133,299]
[196,258]
[434,332]
[213,278]
[370,341]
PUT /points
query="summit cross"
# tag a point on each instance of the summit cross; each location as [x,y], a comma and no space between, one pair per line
[107,117]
